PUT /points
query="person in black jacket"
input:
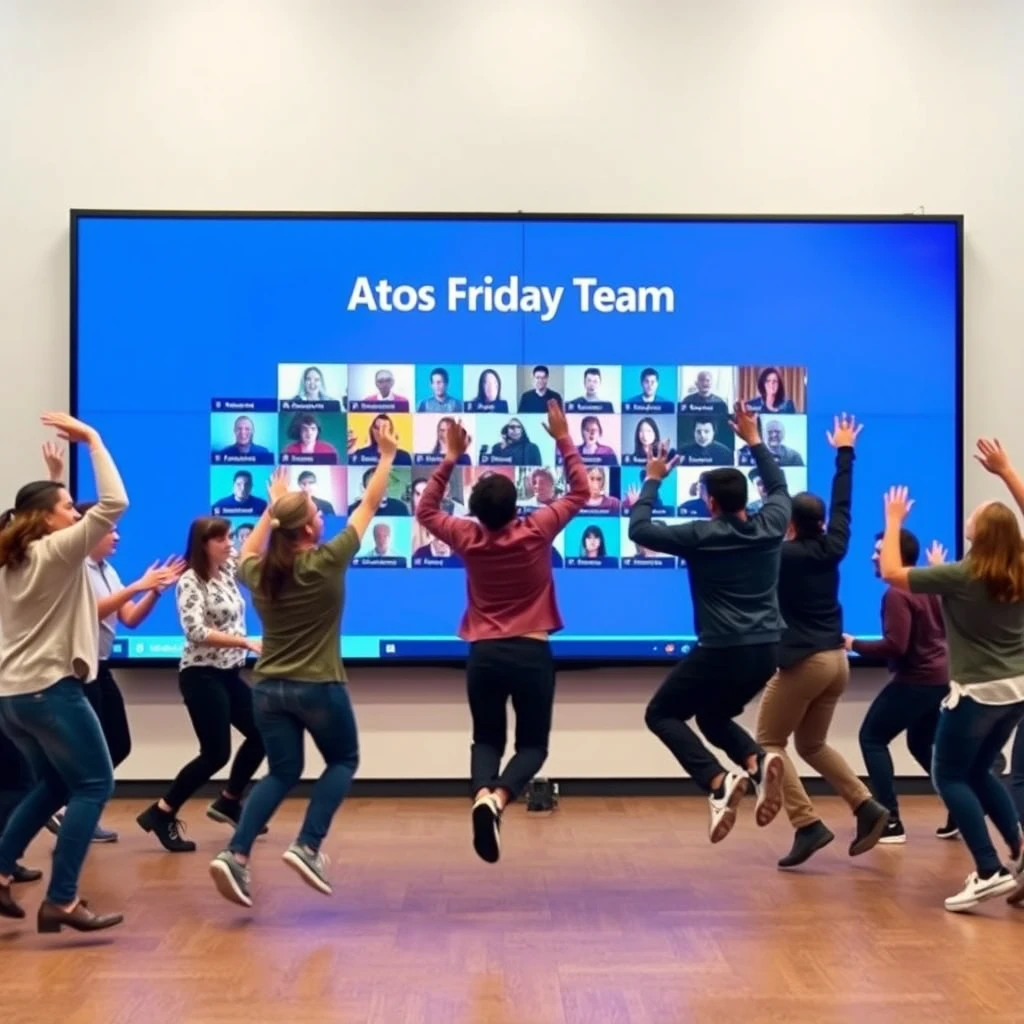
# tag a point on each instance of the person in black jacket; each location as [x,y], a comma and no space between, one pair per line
[733,564]
[813,667]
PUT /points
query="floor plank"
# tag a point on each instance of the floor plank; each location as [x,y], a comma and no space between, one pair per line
[610,911]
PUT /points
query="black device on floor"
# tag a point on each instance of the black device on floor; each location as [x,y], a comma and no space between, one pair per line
[541,795]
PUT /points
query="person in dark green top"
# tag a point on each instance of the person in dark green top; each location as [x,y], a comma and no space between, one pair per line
[983,608]
[298,590]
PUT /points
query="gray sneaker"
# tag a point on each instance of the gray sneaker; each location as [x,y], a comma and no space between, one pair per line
[311,867]
[231,878]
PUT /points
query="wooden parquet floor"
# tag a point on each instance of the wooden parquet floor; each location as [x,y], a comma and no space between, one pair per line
[610,911]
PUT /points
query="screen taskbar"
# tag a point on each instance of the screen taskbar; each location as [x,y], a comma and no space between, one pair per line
[373,648]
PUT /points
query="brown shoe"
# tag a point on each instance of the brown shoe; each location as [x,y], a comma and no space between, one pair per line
[52,919]
[8,908]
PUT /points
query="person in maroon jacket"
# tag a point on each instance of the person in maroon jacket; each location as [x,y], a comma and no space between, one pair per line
[511,611]
[914,644]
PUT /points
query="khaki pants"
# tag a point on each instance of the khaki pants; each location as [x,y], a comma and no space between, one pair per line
[800,701]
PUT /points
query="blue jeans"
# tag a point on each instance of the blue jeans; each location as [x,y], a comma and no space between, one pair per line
[60,737]
[967,741]
[284,712]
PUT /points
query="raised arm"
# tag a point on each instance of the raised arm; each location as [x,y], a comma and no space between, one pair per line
[992,456]
[153,582]
[643,530]
[551,519]
[775,511]
[74,543]
[842,437]
[256,542]
[453,530]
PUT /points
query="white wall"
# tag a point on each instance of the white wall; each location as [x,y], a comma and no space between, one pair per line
[741,106]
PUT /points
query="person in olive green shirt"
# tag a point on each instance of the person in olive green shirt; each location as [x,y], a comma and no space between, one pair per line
[298,591]
[983,608]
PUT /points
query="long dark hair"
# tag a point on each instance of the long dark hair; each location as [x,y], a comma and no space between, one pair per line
[203,529]
[25,523]
[288,518]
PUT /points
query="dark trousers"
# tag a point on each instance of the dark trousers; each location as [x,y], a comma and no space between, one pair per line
[15,778]
[59,735]
[217,699]
[104,695]
[912,708]
[1016,781]
[712,685]
[522,670]
[966,743]
[285,711]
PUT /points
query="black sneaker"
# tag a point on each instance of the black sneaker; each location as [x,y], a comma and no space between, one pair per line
[231,879]
[949,830]
[487,829]
[807,840]
[893,833]
[872,823]
[228,812]
[168,829]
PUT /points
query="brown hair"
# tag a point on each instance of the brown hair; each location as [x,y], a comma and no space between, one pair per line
[203,529]
[25,523]
[288,518]
[997,553]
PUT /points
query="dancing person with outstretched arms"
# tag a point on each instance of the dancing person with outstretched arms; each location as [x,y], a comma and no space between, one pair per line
[983,605]
[115,603]
[913,644]
[733,564]
[49,649]
[802,696]
[298,590]
[510,613]
[212,614]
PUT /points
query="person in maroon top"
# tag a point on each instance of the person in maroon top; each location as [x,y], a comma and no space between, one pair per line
[914,645]
[510,612]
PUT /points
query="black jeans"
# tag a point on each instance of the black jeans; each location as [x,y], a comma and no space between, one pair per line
[899,707]
[217,699]
[15,778]
[105,697]
[521,669]
[712,685]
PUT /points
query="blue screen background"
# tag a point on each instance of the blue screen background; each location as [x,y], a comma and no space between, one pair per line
[174,311]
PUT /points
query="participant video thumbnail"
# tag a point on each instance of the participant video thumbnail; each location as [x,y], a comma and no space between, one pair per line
[598,438]
[312,438]
[489,388]
[774,389]
[430,433]
[537,486]
[691,497]
[238,492]
[324,484]
[538,385]
[632,480]
[397,500]
[243,438]
[362,437]
[785,437]
[519,440]
[373,387]
[386,545]
[635,556]
[438,387]
[593,388]
[605,492]
[239,533]
[796,481]
[648,389]
[707,390]
[430,552]
[591,544]
[640,433]
[322,388]
[706,440]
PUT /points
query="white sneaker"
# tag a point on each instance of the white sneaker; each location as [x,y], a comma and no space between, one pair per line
[487,829]
[769,789]
[723,809]
[976,890]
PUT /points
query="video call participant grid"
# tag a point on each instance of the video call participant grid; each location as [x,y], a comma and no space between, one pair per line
[323,427]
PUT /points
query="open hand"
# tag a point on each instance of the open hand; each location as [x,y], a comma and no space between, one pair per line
[69,428]
[936,554]
[53,456]
[845,431]
[277,485]
[387,439]
[848,641]
[557,425]
[744,424]
[991,455]
[659,465]
[456,442]
[897,503]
